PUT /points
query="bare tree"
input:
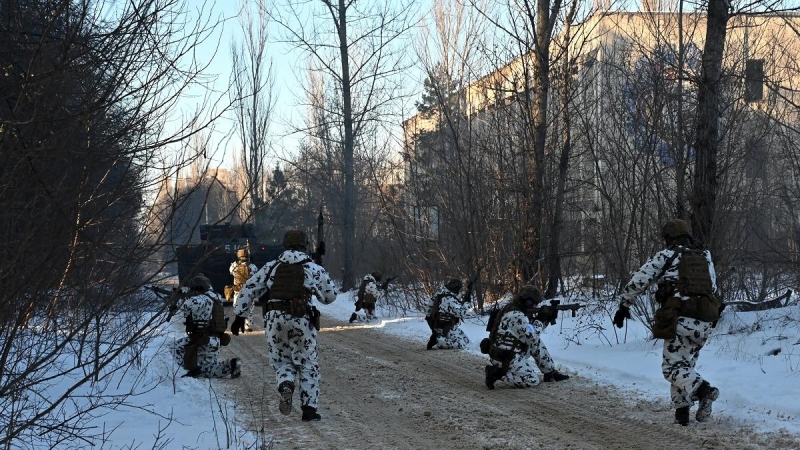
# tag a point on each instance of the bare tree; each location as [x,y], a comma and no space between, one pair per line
[359,45]
[253,102]
[86,123]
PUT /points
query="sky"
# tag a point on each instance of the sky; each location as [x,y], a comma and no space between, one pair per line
[753,358]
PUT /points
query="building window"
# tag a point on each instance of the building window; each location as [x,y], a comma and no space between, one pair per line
[754,80]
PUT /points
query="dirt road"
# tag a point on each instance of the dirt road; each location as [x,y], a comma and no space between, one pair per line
[379,391]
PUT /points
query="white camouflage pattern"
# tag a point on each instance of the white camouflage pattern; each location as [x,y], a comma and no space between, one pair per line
[522,369]
[199,307]
[680,354]
[366,315]
[450,305]
[292,341]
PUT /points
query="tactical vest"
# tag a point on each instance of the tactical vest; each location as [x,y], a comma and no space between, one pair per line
[504,348]
[694,282]
[289,282]
[694,277]
[240,274]
[439,319]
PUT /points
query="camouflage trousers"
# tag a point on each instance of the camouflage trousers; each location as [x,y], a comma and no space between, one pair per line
[680,358]
[207,357]
[522,371]
[249,308]
[292,345]
[456,338]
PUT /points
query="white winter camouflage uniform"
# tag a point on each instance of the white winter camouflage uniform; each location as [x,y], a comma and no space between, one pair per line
[199,307]
[370,288]
[247,308]
[522,369]
[292,341]
[450,305]
[680,353]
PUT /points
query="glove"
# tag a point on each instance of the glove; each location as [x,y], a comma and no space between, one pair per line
[237,325]
[622,313]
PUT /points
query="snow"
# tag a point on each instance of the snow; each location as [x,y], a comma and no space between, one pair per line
[753,358]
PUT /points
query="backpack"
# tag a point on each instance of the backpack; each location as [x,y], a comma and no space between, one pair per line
[693,274]
[241,273]
[361,290]
[217,323]
[289,282]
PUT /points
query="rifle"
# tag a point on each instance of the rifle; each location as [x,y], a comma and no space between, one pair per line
[319,252]
[471,284]
[554,307]
[385,284]
[171,297]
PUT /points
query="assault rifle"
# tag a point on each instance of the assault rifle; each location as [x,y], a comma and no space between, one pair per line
[471,284]
[554,307]
[385,284]
[319,252]
[171,297]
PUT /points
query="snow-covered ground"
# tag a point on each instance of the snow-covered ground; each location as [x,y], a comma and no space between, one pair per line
[754,359]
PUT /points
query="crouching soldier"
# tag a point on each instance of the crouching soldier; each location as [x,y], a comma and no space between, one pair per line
[514,338]
[198,352]
[291,320]
[366,297]
[445,313]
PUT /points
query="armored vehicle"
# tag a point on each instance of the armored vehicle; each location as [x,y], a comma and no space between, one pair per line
[217,250]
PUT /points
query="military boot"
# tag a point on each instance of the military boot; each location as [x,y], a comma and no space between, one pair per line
[706,394]
[193,373]
[432,341]
[236,368]
[310,414]
[353,317]
[682,416]
[286,390]
[555,376]
[493,373]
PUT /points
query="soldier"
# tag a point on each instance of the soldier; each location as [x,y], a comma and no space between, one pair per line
[291,321]
[198,352]
[445,312]
[514,339]
[241,269]
[687,285]
[368,293]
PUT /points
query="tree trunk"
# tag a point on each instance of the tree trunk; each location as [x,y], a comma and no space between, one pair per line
[707,136]
[349,213]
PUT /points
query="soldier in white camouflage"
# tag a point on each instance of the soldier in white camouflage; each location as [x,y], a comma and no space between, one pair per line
[687,284]
[366,297]
[291,322]
[515,347]
[198,352]
[446,310]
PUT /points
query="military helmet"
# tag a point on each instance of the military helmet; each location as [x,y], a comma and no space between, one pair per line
[674,229]
[199,282]
[528,298]
[241,253]
[453,285]
[377,275]
[294,240]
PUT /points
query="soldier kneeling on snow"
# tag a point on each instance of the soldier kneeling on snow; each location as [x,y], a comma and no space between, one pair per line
[514,338]
[446,311]
[366,297]
[198,352]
